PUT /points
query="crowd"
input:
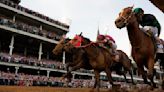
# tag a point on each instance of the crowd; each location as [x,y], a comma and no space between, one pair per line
[26,10]
[33,61]
[21,79]
[28,28]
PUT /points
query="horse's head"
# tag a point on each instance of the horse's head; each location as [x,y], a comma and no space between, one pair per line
[85,40]
[59,48]
[79,40]
[126,16]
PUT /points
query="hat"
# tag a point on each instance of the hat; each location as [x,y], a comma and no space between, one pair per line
[100,37]
[138,10]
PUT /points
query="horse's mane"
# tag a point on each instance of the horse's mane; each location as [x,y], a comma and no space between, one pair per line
[87,39]
[67,39]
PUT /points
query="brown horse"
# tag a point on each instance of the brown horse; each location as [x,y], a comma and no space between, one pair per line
[80,60]
[143,51]
[122,67]
[75,59]
[99,59]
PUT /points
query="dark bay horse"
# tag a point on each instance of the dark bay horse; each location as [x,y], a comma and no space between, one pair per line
[143,51]
[124,63]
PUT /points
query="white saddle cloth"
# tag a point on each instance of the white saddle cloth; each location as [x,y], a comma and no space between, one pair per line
[160,48]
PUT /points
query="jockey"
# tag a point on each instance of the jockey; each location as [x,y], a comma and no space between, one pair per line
[149,23]
[108,42]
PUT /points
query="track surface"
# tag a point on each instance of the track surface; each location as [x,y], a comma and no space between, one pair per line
[44,89]
[54,89]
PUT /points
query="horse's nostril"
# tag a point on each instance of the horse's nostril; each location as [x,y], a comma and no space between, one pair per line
[119,20]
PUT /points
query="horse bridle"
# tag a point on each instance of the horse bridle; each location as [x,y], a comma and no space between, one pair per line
[127,18]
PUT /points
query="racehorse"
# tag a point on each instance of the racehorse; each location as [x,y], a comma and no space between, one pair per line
[99,59]
[124,62]
[143,51]
[75,58]
[80,60]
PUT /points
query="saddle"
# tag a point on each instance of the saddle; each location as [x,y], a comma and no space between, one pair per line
[115,57]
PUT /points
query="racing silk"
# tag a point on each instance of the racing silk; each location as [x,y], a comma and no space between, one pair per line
[150,20]
[108,37]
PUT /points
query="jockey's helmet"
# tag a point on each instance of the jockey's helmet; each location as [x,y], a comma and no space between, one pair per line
[138,10]
[100,37]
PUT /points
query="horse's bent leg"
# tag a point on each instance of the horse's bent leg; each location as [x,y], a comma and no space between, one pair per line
[68,65]
[78,66]
[151,71]
[97,80]
[108,72]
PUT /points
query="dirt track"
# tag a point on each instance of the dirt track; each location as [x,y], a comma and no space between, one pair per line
[53,89]
[43,89]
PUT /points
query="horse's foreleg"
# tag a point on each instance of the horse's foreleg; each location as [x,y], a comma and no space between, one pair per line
[97,80]
[151,71]
[143,73]
[78,66]
[68,74]
[68,65]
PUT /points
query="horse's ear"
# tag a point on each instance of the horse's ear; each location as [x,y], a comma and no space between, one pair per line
[81,34]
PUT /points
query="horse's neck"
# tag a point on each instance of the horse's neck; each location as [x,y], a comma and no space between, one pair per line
[134,34]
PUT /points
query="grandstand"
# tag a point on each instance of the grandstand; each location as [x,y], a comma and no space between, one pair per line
[26,42]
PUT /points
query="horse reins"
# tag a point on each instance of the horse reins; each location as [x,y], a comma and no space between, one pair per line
[127,18]
[84,46]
